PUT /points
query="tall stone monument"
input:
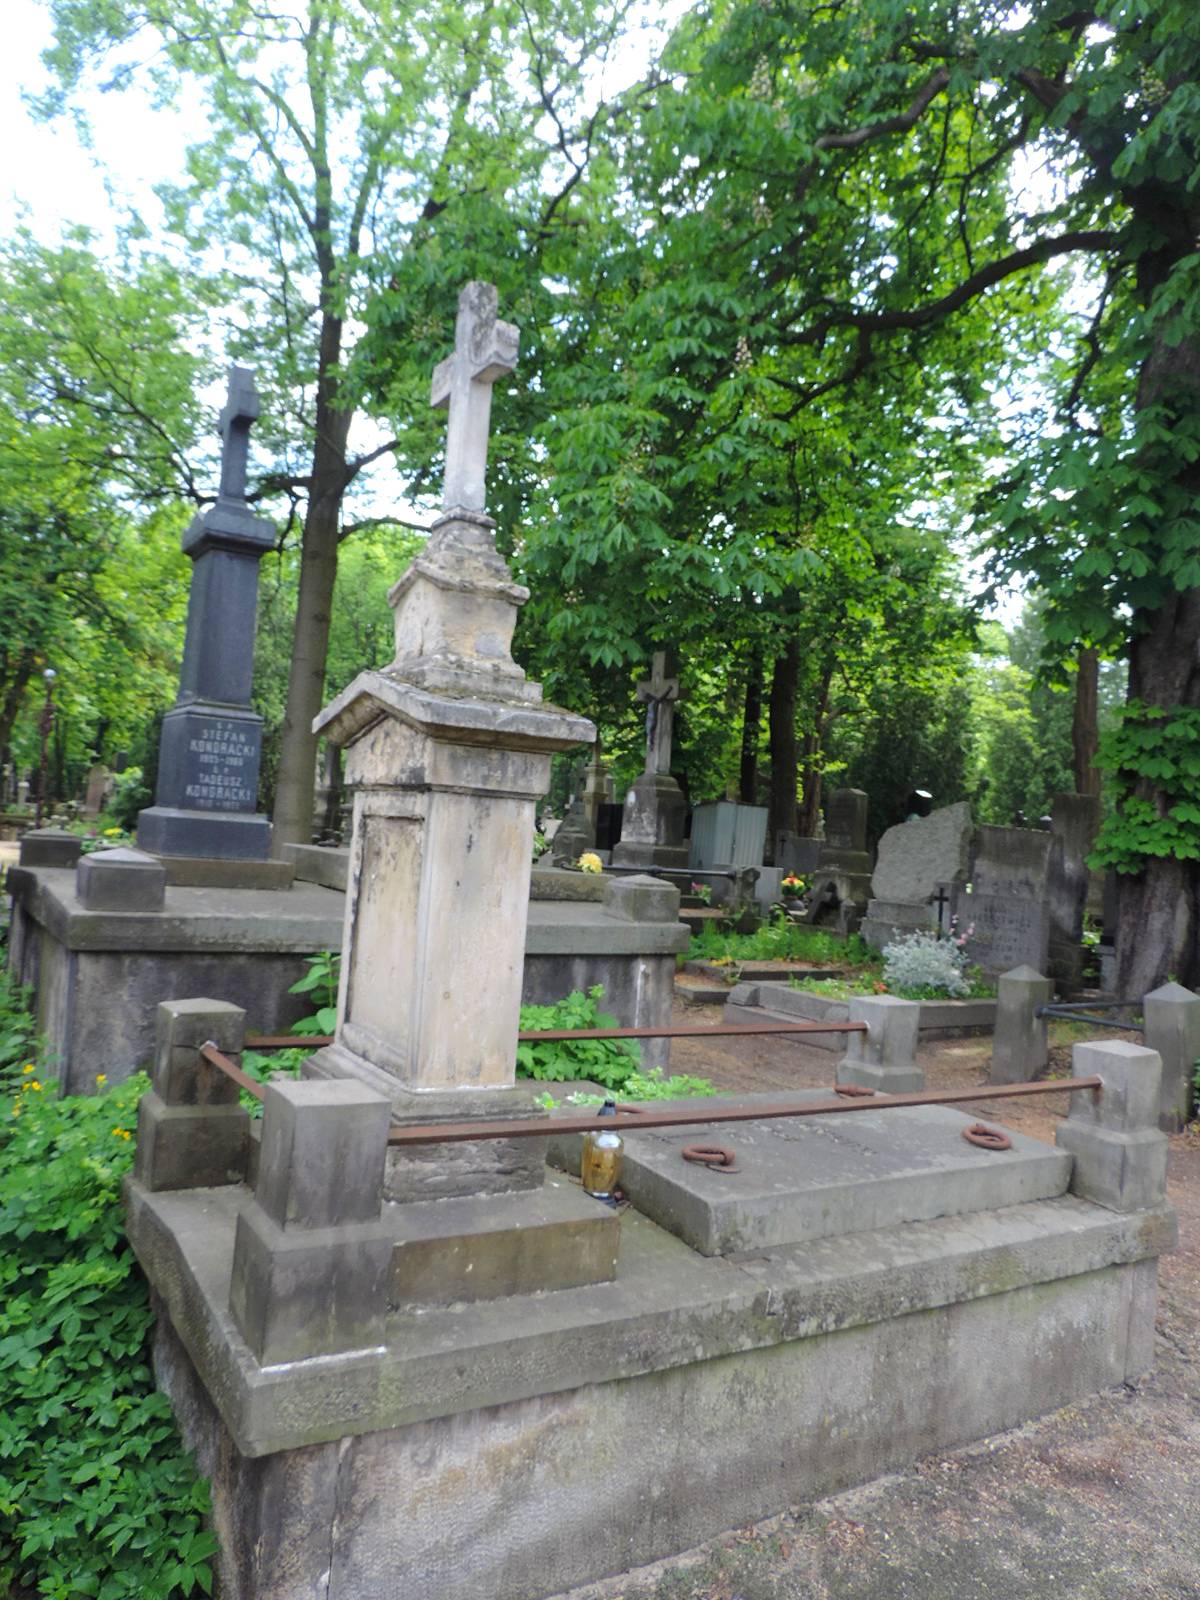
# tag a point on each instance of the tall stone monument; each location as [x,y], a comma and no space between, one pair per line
[447,751]
[211,739]
[655,809]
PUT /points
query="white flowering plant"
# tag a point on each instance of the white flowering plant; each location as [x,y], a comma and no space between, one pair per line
[930,965]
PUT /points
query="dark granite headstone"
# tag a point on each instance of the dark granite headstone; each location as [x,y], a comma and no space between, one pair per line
[211,739]
[1007,931]
[846,821]
[1006,917]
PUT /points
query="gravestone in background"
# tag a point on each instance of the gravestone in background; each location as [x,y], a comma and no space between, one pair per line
[841,884]
[1006,916]
[1075,821]
[655,809]
[918,862]
[593,788]
[211,740]
[796,852]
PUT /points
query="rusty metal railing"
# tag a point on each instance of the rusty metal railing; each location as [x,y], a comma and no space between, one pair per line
[684,1030]
[637,1119]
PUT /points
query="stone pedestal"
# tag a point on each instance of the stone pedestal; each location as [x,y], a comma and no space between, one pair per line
[1019,1046]
[652,829]
[1172,1016]
[1120,1153]
[885,1057]
[444,794]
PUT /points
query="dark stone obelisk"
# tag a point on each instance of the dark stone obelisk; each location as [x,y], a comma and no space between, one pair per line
[211,739]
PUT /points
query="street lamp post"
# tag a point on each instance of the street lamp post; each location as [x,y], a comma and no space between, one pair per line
[45,723]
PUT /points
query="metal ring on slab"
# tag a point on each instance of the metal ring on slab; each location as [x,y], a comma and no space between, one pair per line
[986,1138]
[852,1091]
[716,1157]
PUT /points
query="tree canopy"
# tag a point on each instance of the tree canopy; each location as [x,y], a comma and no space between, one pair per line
[829,304]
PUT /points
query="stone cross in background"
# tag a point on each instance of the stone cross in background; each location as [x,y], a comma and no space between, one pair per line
[241,408]
[484,349]
[204,803]
[660,694]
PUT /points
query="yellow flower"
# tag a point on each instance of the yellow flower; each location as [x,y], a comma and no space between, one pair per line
[589,862]
[34,1084]
[27,1068]
[111,833]
[101,1077]
[119,1133]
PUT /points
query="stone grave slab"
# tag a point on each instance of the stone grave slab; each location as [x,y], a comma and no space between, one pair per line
[801,1179]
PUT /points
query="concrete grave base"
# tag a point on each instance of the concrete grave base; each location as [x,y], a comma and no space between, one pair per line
[753,1002]
[98,974]
[511,1450]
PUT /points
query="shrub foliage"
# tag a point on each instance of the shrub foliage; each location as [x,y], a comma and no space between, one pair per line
[97,1496]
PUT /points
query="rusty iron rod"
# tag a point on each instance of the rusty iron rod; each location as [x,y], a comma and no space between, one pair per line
[686,1030]
[635,1118]
[690,1030]
[231,1069]
[284,1041]
[541,1127]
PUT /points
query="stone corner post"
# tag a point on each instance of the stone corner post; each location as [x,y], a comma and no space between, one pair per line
[1120,1154]
[1172,1016]
[312,1256]
[1019,1047]
[192,1130]
[885,1057]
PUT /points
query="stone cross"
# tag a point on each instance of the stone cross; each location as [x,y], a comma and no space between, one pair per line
[660,694]
[240,410]
[484,349]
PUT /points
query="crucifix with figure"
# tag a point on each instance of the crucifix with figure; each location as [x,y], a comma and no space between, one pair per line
[485,348]
[660,694]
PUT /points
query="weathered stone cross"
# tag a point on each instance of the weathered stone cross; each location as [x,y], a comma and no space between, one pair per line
[660,694]
[484,349]
[241,408]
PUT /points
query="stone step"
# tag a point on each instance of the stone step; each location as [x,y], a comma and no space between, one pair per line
[490,1246]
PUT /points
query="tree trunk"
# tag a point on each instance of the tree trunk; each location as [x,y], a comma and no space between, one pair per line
[1157,934]
[293,821]
[14,695]
[784,678]
[1085,730]
[751,729]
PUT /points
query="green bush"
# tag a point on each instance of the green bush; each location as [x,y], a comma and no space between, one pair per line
[651,1086]
[97,1496]
[321,982]
[780,939]
[609,1062]
[18,1034]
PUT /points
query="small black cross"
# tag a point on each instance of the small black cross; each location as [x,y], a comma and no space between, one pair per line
[941,900]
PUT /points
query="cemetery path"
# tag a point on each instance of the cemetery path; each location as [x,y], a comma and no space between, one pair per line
[1095,1502]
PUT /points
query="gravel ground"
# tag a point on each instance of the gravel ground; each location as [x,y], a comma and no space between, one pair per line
[1100,1501]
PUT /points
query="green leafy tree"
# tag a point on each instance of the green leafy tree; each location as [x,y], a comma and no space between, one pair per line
[97,421]
[363,158]
[864,169]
